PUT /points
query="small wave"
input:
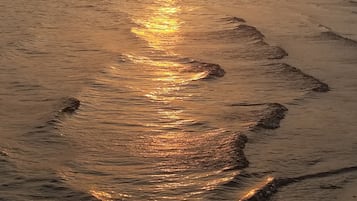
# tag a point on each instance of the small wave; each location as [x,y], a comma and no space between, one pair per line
[67,106]
[309,82]
[249,31]
[261,48]
[328,34]
[64,107]
[274,52]
[212,70]
[269,117]
[234,20]
[70,105]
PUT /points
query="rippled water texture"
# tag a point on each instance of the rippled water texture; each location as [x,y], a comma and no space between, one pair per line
[168,91]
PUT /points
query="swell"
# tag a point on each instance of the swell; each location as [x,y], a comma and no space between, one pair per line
[270,116]
[242,30]
[241,40]
[292,73]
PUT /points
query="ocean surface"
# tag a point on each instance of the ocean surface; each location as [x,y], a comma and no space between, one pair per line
[179,99]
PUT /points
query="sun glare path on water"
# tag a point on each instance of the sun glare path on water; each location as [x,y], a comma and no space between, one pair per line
[161,26]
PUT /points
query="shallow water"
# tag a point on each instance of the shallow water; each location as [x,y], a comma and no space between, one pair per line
[158,119]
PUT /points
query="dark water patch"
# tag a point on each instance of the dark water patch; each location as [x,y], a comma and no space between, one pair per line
[354,3]
[42,188]
[85,6]
[20,181]
[32,52]
[23,86]
[292,73]
[70,105]
[330,186]
[272,116]
[271,185]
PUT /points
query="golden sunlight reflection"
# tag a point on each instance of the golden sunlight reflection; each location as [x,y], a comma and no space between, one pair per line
[160,27]
[163,94]
[100,195]
[147,61]
[168,77]
[177,145]
[219,181]
[253,191]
